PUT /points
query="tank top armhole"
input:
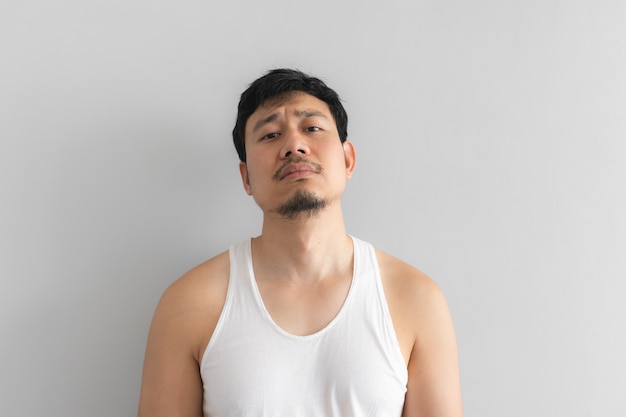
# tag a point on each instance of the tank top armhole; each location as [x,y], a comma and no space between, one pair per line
[390,330]
[225,309]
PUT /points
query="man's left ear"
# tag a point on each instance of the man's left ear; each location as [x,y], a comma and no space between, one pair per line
[350,156]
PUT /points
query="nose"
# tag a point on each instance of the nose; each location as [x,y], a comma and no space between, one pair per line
[294,143]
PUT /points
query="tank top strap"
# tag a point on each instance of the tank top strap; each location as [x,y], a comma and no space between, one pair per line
[372,302]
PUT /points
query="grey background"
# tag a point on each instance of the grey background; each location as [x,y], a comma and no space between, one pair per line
[491,140]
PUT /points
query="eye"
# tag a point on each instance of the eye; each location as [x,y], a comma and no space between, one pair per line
[272,135]
[313,129]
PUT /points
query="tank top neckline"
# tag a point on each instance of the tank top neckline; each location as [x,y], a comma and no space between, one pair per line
[261,304]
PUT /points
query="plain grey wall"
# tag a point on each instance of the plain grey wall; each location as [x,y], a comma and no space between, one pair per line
[491,142]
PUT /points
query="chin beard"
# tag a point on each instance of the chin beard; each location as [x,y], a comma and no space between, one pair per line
[303,204]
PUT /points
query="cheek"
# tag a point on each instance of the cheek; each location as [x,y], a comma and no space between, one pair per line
[339,160]
[257,171]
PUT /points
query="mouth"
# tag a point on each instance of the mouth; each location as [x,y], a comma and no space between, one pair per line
[296,168]
[296,171]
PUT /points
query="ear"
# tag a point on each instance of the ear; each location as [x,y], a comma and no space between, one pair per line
[245,178]
[350,157]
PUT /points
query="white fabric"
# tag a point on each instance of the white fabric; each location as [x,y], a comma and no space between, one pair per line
[353,367]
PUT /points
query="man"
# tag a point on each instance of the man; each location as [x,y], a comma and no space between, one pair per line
[303,320]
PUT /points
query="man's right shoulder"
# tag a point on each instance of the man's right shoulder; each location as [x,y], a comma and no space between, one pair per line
[201,286]
[182,326]
[190,307]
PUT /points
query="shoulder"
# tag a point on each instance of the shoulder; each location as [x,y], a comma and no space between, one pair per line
[192,304]
[211,275]
[181,327]
[416,303]
[425,331]
[406,284]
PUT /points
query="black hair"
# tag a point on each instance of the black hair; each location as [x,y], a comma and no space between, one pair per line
[279,83]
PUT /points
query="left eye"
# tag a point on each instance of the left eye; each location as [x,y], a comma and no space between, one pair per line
[313,129]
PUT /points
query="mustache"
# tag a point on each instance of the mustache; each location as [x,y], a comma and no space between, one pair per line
[294,160]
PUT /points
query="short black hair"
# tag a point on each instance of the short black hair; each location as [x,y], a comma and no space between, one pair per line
[278,83]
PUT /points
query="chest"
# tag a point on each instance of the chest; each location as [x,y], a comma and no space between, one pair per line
[344,370]
[305,308]
[304,352]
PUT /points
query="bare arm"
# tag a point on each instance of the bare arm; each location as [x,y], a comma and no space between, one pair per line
[425,332]
[434,383]
[181,328]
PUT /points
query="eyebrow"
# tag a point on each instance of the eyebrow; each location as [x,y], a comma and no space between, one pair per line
[303,114]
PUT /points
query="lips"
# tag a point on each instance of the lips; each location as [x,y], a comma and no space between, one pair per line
[294,169]
[295,165]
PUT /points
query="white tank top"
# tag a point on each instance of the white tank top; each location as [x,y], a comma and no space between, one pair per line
[353,367]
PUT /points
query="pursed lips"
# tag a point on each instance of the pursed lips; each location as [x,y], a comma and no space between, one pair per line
[294,168]
[300,165]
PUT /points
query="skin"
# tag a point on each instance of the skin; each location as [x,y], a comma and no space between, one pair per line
[303,267]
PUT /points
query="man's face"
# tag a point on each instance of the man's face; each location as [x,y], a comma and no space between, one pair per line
[295,158]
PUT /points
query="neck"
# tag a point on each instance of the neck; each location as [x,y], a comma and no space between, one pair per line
[304,249]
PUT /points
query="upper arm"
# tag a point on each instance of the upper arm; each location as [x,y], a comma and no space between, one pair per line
[434,384]
[181,328]
[426,335]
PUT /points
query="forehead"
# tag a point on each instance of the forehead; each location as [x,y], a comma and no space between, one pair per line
[292,102]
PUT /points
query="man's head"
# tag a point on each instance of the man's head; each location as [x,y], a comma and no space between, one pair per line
[280,84]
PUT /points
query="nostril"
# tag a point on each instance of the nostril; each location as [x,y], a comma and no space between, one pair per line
[288,153]
[301,150]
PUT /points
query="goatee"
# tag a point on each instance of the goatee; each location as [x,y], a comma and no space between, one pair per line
[303,204]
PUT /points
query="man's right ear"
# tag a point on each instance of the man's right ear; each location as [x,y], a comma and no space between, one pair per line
[245,179]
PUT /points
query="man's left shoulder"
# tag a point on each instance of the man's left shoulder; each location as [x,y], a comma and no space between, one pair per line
[407,288]
[417,305]
[397,273]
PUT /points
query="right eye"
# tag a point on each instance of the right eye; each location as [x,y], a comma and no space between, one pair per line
[272,135]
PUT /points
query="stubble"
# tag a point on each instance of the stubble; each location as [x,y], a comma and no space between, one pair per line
[302,204]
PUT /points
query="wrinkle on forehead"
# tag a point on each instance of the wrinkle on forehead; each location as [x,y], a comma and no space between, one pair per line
[284,97]
[299,113]
[279,100]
